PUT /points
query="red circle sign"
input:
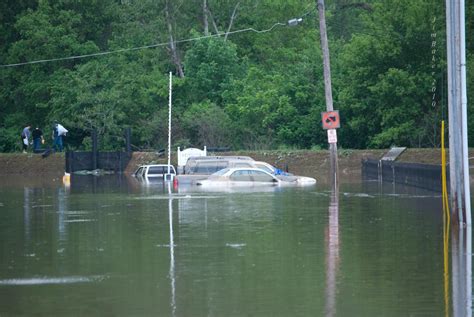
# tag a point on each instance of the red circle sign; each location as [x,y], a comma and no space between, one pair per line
[330,119]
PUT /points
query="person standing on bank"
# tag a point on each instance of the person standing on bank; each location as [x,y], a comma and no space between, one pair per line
[25,135]
[58,132]
[37,139]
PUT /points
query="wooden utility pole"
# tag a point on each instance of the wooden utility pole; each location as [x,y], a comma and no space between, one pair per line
[327,87]
[457,109]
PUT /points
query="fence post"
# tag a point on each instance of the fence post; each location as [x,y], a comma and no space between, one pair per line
[120,161]
[69,157]
[128,146]
[94,149]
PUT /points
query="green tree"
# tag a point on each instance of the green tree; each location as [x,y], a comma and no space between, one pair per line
[207,124]
[210,65]
[247,89]
[108,95]
[43,33]
[385,83]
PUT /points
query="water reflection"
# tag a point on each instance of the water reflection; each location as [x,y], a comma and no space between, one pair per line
[462,271]
[172,264]
[332,253]
[27,193]
[33,208]
[62,210]
[446,233]
[105,184]
[243,253]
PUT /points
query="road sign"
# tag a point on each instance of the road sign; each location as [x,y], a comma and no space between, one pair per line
[330,119]
[332,136]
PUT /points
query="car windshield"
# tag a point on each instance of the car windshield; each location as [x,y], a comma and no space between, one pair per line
[264,167]
[208,167]
[139,171]
[221,172]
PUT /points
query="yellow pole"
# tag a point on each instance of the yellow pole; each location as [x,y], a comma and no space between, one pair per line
[446,227]
[443,175]
[446,223]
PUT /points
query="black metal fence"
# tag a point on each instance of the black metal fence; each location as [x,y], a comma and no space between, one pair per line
[413,174]
[109,161]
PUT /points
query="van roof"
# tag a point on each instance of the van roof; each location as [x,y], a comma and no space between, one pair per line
[229,157]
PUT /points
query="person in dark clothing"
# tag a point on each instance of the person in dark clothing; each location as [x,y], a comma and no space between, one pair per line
[37,139]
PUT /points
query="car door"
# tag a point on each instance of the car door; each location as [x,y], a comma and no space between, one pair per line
[262,178]
[240,178]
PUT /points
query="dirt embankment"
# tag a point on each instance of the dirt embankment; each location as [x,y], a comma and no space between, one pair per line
[301,162]
[32,164]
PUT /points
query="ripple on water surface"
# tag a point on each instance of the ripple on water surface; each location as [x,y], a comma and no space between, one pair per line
[52,280]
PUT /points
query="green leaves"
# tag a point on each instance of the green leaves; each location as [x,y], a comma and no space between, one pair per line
[252,90]
[210,66]
[387,74]
[207,124]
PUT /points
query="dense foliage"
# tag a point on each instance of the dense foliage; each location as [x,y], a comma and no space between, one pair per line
[242,89]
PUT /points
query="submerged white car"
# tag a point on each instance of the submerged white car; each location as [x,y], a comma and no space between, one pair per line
[252,177]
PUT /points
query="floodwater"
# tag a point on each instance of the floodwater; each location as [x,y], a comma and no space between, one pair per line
[114,246]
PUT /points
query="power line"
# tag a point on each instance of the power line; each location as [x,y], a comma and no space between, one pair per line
[145,47]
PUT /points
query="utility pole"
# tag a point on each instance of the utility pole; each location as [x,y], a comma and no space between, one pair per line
[168,176]
[457,109]
[327,88]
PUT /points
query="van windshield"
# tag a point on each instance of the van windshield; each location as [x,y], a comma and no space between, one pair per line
[207,168]
[264,167]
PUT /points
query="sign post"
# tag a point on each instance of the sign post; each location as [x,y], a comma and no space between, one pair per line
[327,87]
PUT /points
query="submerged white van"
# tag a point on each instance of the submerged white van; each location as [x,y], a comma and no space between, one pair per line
[154,170]
[207,165]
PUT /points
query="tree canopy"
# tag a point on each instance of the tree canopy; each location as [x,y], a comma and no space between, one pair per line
[244,78]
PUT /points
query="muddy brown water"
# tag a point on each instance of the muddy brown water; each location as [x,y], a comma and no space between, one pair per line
[113,245]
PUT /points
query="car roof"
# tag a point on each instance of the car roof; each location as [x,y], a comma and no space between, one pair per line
[153,165]
[230,157]
[223,161]
[247,169]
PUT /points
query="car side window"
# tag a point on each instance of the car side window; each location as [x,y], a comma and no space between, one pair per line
[190,167]
[259,176]
[155,170]
[241,176]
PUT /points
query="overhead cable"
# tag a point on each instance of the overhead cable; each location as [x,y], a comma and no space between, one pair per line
[142,47]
